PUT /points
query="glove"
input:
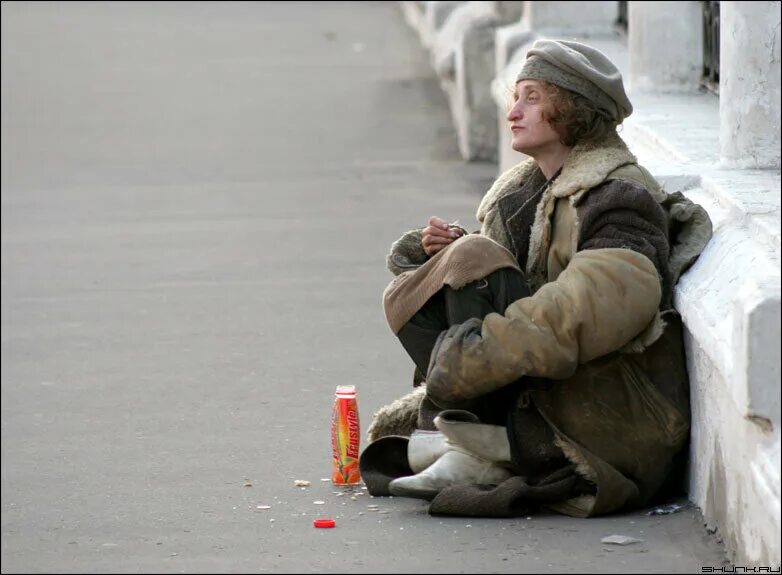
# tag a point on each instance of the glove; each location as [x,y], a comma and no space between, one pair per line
[451,382]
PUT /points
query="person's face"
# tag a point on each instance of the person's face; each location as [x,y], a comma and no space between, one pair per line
[531,133]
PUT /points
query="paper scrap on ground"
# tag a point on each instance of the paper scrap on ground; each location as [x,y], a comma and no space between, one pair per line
[667,509]
[620,540]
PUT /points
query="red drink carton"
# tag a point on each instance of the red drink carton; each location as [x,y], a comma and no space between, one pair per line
[345,437]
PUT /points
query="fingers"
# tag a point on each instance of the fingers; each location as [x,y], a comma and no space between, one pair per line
[437,235]
[470,330]
[441,233]
[439,223]
[433,244]
[436,351]
[447,340]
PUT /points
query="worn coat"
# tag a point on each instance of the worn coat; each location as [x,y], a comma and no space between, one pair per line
[602,246]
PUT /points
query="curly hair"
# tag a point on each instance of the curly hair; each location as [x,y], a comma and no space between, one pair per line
[573,117]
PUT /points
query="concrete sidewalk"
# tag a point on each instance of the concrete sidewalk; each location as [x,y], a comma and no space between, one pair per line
[197,201]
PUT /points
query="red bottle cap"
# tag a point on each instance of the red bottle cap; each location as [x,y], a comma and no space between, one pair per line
[324,523]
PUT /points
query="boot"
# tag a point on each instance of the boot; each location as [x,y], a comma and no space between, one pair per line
[477,454]
[464,429]
[424,448]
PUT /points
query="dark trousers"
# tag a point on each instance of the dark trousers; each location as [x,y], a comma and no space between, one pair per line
[448,307]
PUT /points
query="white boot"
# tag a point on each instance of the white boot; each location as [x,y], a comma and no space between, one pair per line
[424,448]
[462,428]
[477,454]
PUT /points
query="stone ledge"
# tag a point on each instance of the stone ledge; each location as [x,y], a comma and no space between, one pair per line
[730,300]
[680,134]
[734,467]
[460,21]
[724,299]
[413,12]
[463,58]
[434,17]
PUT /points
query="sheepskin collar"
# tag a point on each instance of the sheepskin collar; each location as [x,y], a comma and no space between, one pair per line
[587,165]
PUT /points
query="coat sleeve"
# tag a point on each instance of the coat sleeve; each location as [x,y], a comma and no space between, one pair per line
[622,214]
[599,303]
[407,253]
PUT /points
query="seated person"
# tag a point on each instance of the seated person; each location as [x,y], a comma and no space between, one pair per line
[552,356]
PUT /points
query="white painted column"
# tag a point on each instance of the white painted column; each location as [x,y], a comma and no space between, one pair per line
[750,84]
[435,15]
[665,41]
[579,17]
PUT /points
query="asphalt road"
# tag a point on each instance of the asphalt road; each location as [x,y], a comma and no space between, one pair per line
[197,201]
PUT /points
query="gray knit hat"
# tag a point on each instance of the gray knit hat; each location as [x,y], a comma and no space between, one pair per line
[581,69]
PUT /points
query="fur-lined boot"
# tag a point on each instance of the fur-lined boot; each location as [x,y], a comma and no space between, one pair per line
[397,418]
[477,454]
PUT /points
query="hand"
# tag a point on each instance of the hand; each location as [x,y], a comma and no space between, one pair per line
[469,360]
[453,376]
[438,235]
